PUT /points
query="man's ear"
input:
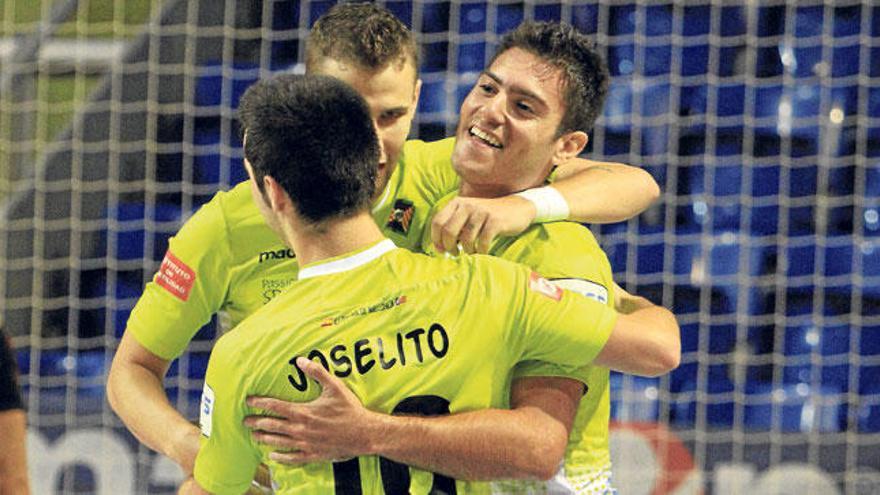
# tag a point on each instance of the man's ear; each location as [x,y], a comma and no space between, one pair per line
[417,92]
[569,145]
[278,199]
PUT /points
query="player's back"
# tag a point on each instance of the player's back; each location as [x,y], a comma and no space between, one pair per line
[405,332]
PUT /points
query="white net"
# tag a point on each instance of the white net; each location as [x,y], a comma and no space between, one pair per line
[761,122]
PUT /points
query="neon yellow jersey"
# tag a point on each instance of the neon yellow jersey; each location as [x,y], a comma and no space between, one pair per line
[227,260]
[568,254]
[406,333]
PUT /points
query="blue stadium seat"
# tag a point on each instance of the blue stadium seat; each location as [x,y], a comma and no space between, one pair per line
[221,85]
[716,405]
[634,398]
[471,57]
[472,19]
[793,408]
[869,409]
[508,17]
[585,17]
[817,355]
[133,233]
[433,97]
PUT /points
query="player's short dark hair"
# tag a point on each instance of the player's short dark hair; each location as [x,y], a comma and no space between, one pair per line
[365,34]
[314,135]
[584,71]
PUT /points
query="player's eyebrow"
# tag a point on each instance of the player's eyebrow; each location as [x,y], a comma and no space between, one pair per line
[515,88]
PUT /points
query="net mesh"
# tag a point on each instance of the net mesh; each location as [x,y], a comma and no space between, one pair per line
[761,123]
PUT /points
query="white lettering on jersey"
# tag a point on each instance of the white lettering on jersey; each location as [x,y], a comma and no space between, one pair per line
[205,410]
[584,288]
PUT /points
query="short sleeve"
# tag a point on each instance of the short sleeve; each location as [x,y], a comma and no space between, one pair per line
[227,459]
[561,326]
[189,287]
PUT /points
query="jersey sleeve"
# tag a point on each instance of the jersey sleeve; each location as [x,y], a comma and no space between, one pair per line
[189,287]
[569,256]
[227,458]
[560,326]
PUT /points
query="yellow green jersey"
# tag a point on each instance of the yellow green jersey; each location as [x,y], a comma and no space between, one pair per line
[407,334]
[568,254]
[227,260]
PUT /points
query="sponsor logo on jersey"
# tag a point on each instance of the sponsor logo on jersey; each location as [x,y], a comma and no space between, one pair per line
[401,216]
[205,410]
[545,287]
[175,276]
[278,254]
[273,286]
[583,287]
[385,304]
[415,346]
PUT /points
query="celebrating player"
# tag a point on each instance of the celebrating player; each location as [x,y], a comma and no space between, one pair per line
[540,95]
[407,333]
[228,259]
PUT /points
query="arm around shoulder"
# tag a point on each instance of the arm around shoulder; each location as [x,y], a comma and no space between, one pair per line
[604,192]
[645,339]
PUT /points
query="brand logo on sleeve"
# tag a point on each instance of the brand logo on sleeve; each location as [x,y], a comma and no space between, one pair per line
[175,276]
[545,287]
[584,288]
[205,410]
[401,216]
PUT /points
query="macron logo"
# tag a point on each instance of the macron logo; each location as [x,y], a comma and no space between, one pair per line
[175,277]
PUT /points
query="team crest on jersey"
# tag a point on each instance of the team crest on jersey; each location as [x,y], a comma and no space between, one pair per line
[543,286]
[401,216]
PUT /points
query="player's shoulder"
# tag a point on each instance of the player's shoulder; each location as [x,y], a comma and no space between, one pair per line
[557,249]
[429,158]
[237,207]
[417,148]
[552,238]
[416,269]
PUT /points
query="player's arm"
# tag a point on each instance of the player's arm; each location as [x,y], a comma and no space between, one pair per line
[13,424]
[584,191]
[526,443]
[645,340]
[190,487]
[136,394]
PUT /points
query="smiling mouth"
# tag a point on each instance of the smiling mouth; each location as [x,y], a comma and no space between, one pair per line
[484,137]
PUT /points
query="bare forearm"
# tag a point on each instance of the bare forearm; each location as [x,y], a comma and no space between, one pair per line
[480,445]
[13,459]
[598,192]
[136,394]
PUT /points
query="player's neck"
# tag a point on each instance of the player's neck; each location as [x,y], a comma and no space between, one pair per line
[334,238]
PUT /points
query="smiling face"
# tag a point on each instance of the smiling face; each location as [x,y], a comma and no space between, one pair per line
[506,139]
[392,93]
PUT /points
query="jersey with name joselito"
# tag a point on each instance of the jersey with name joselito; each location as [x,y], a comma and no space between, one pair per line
[567,254]
[226,259]
[406,333]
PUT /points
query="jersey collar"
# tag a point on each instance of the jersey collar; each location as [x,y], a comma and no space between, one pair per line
[349,262]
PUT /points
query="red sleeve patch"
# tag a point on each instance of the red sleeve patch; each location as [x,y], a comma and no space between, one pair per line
[543,286]
[175,277]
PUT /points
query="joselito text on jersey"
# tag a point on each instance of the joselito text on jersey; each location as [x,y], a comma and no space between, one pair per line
[362,356]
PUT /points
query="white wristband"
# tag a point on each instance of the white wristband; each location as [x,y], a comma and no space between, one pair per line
[550,206]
